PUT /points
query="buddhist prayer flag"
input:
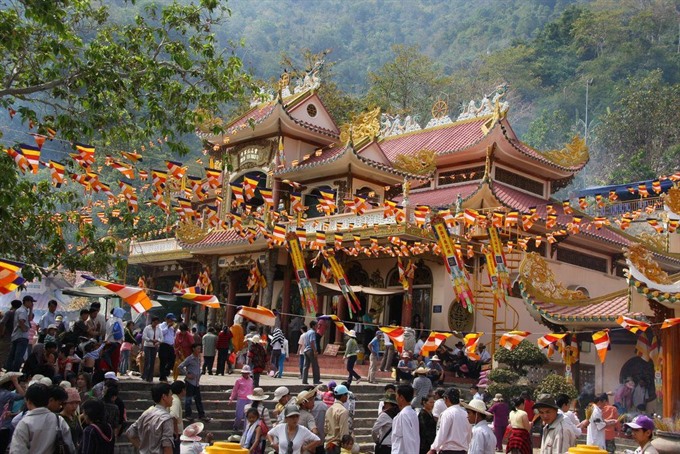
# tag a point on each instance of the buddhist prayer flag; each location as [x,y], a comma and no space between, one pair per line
[19,159]
[258,314]
[125,169]
[642,346]
[176,169]
[601,341]
[434,340]
[642,190]
[396,335]
[131,156]
[199,298]
[670,322]
[566,207]
[268,197]
[249,185]
[512,339]
[307,294]
[389,208]
[159,177]
[32,155]
[453,261]
[471,341]
[420,214]
[338,323]
[548,342]
[296,205]
[10,276]
[86,154]
[214,177]
[631,324]
[57,172]
[134,296]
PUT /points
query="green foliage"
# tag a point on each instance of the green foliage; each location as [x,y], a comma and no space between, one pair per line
[71,68]
[508,390]
[526,354]
[500,375]
[555,384]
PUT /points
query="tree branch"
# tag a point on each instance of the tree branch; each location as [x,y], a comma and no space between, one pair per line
[35,88]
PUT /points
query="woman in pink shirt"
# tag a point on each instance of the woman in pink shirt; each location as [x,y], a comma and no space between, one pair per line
[242,388]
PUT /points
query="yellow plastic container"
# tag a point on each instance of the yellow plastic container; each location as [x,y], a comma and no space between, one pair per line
[586,449]
[226,444]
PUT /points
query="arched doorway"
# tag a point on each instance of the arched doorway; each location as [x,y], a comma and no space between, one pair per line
[422,296]
[639,369]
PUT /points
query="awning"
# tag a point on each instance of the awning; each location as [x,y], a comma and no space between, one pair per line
[332,289]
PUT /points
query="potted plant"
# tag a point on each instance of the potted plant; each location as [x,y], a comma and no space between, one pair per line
[667,437]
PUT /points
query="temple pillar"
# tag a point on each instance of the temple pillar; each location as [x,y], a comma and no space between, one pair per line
[285,300]
[342,315]
[407,307]
[670,343]
[231,299]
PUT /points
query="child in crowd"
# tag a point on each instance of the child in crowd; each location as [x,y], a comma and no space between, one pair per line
[254,435]
[346,444]
[328,397]
[242,388]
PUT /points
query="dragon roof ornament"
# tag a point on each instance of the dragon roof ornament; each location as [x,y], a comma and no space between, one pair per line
[539,280]
[573,154]
[672,202]
[366,125]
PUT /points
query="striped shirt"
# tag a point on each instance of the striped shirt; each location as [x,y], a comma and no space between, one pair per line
[277,339]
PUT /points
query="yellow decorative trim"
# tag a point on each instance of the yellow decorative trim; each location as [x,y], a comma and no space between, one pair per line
[498,114]
[190,232]
[672,199]
[573,153]
[642,259]
[364,126]
[422,163]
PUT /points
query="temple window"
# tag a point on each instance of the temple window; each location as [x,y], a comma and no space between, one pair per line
[583,260]
[519,181]
[460,175]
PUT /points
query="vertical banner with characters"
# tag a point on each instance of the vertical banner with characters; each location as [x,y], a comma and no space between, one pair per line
[353,303]
[307,295]
[454,263]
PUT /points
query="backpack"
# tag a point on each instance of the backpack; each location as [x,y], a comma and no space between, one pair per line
[117,331]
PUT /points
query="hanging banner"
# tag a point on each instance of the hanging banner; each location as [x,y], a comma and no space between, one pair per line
[512,339]
[657,359]
[353,303]
[601,341]
[471,341]
[453,262]
[500,263]
[307,295]
[434,340]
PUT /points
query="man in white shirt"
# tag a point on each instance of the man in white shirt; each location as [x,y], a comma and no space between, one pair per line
[50,317]
[483,439]
[151,337]
[596,424]
[454,430]
[166,349]
[405,428]
[439,403]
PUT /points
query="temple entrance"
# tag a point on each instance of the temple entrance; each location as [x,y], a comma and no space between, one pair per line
[639,369]
[394,309]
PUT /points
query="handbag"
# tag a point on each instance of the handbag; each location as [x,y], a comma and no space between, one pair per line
[60,446]
[379,448]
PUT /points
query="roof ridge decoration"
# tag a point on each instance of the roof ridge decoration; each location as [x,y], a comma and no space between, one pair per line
[672,201]
[487,106]
[422,163]
[366,125]
[309,81]
[394,125]
[642,260]
[574,154]
[188,232]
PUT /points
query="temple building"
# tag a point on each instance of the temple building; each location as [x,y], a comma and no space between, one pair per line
[296,186]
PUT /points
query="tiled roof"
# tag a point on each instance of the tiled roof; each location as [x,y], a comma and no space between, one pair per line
[256,115]
[440,139]
[217,238]
[513,198]
[605,311]
[537,155]
[438,198]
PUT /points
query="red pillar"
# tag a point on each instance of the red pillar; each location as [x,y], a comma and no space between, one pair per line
[407,307]
[342,314]
[670,342]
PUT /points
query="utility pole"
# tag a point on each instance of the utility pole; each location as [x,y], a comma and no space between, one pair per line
[588,82]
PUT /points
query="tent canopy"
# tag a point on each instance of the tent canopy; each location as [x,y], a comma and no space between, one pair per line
[90,292]
[332,289]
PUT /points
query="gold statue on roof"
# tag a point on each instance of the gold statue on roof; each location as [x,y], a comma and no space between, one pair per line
[189,232]
[422,163]
[364,126]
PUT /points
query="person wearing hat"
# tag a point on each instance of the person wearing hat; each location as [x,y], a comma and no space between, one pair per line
[483,440]
[382,428]
[642,430]
[336,422]
[257,399]
[305,401]
[501,418]
[557,438]
[291,437]
[281,397]
[257,358]
[454,432]
[405,368]
[22,324]
[166,348]
[190,441]
[422,386]
[70,414]
[243,387]
[151,337]
[51,333]
[436,371]
[350,357]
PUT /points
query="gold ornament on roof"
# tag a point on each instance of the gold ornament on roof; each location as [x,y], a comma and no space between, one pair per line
[539,279]
[189,232]
[643,260]
[440,109]
[364,126]
[422,163]
[573,154]
[672,199]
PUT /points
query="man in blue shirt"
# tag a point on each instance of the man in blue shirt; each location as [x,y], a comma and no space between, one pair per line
[374,358]
[166,349]
[310,354]
[191,368]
